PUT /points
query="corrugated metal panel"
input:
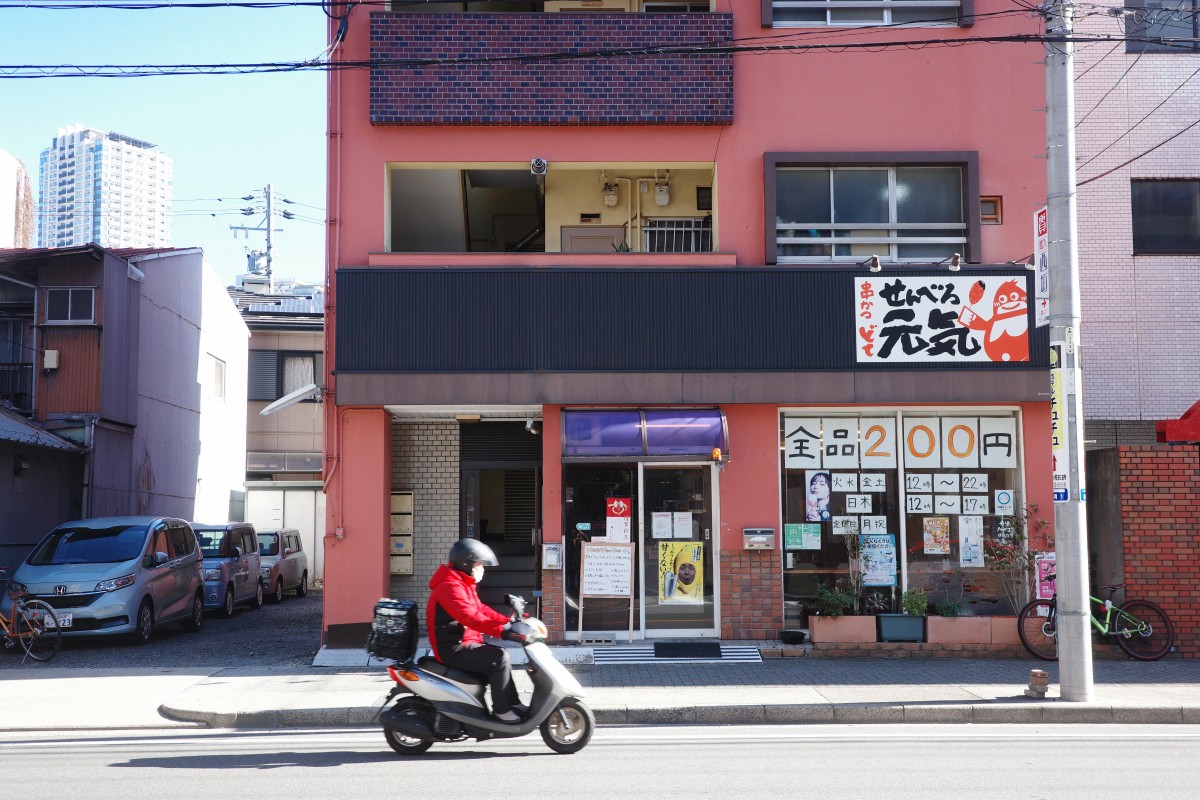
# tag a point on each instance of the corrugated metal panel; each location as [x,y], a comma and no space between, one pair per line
[499,441]
[599,320]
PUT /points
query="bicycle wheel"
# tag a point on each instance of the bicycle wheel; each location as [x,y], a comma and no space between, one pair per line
[1143,630]
[1037,625]
[33,630]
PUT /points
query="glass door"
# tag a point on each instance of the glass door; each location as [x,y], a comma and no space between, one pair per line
[678,566]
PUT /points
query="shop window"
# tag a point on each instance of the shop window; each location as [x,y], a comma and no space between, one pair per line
[919,494]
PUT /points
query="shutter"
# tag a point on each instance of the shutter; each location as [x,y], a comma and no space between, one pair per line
[263,383]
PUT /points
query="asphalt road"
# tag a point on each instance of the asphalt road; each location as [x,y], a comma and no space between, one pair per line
[912,762]
[288,634]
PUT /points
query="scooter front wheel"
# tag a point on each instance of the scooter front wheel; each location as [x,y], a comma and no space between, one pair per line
[569,727]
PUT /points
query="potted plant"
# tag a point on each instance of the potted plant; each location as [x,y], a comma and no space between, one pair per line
[828,620]
[909,626]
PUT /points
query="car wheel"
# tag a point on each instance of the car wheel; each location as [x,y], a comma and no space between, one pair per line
[302,589]
[258,595]
[227,606]
[143,630]
[192,623]
[277,594]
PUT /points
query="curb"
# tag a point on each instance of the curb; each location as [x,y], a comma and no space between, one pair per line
[753,714]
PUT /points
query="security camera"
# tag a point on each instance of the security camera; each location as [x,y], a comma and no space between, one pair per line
[537,166]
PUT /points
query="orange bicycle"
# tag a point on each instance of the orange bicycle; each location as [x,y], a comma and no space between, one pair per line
[33,623]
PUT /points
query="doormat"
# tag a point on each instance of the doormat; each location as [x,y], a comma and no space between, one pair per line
[645,654]
[687,650]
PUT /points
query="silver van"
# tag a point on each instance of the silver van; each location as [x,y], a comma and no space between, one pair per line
[117,575]
[284,563]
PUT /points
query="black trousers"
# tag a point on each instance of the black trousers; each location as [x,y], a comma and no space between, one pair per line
[492,662]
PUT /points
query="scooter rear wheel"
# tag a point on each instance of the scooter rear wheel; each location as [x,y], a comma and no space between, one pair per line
[402,743]
[569,727]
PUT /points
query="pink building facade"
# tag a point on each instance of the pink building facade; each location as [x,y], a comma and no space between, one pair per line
[687,309]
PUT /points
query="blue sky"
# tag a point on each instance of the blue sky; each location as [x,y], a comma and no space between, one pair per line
[228,134]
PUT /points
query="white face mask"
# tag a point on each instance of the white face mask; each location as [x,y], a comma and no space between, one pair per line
[477,573]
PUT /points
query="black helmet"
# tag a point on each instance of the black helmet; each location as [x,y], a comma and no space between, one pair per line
[466,552]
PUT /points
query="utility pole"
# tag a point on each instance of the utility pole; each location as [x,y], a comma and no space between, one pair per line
[1070,520]
[269,229]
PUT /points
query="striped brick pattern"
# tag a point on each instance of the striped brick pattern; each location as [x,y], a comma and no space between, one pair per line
[751,594]
[1160,513]
[670,89]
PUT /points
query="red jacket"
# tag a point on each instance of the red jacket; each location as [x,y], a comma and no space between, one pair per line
[456,614]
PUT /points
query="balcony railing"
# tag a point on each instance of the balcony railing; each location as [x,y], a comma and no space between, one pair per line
[16,385]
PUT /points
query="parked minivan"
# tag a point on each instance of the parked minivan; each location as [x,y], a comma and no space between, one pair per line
[231,565]
[284,563]
[116,575]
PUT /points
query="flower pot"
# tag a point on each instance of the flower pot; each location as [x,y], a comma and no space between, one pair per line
[1004,630]
[841,629]
[959,630]
[900,628]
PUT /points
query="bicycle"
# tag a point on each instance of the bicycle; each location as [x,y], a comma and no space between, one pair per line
[1140,628]
[33,623]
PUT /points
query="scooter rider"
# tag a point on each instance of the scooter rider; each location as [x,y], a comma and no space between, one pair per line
[457,620]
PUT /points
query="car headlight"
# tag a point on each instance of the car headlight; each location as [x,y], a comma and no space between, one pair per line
[14,586]
[212,574]
[115,583]
[266,572]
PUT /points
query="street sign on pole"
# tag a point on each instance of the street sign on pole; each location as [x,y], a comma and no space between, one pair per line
[1041,261]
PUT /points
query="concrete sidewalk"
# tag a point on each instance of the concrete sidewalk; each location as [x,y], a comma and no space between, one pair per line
[779,690]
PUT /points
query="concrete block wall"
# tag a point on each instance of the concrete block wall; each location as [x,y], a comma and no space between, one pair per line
[662,89]
[425,460]
[1160,515]
[751,594]
[1140,314]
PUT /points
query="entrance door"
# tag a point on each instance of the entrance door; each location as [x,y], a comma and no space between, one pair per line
[679,571]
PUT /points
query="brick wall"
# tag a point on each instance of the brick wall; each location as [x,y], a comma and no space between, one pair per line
[676,89]
[552,603]
[425,461]
[1160,515]
[751,594]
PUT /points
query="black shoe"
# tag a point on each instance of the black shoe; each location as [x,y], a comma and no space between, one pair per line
[521,709]
[507,716]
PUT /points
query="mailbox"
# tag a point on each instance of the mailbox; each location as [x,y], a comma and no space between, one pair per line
[758,538]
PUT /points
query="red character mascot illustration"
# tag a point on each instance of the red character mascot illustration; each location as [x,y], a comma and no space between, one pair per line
[1006,332]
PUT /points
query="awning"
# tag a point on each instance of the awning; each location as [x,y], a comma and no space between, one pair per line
[644,432]
[15,428]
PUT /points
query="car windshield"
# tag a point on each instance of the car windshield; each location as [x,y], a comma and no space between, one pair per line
[268,544]
[213,544]
[84,545]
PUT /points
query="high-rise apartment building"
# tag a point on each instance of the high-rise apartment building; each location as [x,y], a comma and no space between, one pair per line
[106,188]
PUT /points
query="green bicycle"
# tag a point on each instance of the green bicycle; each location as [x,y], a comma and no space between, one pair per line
[1141,629]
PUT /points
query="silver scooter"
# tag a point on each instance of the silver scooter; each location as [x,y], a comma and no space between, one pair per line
[434,703]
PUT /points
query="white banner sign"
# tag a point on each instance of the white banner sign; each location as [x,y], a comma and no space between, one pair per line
[936,320]
[1041,262]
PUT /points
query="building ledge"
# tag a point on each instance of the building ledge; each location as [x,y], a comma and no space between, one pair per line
[591,260]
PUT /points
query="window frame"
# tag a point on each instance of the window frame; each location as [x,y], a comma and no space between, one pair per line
[966,160]
[280,358]
[1134,217]
[1135,28]
[966,19]
[91,319]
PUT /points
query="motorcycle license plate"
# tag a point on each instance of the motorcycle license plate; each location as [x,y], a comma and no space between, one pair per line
[64,620]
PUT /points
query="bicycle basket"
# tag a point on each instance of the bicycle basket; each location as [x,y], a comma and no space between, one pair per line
[394,630]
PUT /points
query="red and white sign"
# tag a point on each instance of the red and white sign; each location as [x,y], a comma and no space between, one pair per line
[1041,262]
[619,518]
[936,320]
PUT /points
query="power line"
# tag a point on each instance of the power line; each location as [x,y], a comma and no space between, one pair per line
[29,71]
[1142,154]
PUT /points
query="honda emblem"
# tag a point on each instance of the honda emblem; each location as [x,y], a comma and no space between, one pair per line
[60,590]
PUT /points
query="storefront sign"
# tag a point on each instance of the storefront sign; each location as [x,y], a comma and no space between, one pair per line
[847,443]
[878,557]
[970,541]
[1046,568]
[680,572]
[660,524]
[937,320]
[1004,503]
[1058,428]
[618,518]
[1041,260]
[606,569]
[802,536]
[937,535]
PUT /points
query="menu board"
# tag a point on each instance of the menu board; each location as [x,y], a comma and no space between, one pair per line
[606,569]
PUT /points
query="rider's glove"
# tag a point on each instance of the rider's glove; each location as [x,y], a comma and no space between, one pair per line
[512,635]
